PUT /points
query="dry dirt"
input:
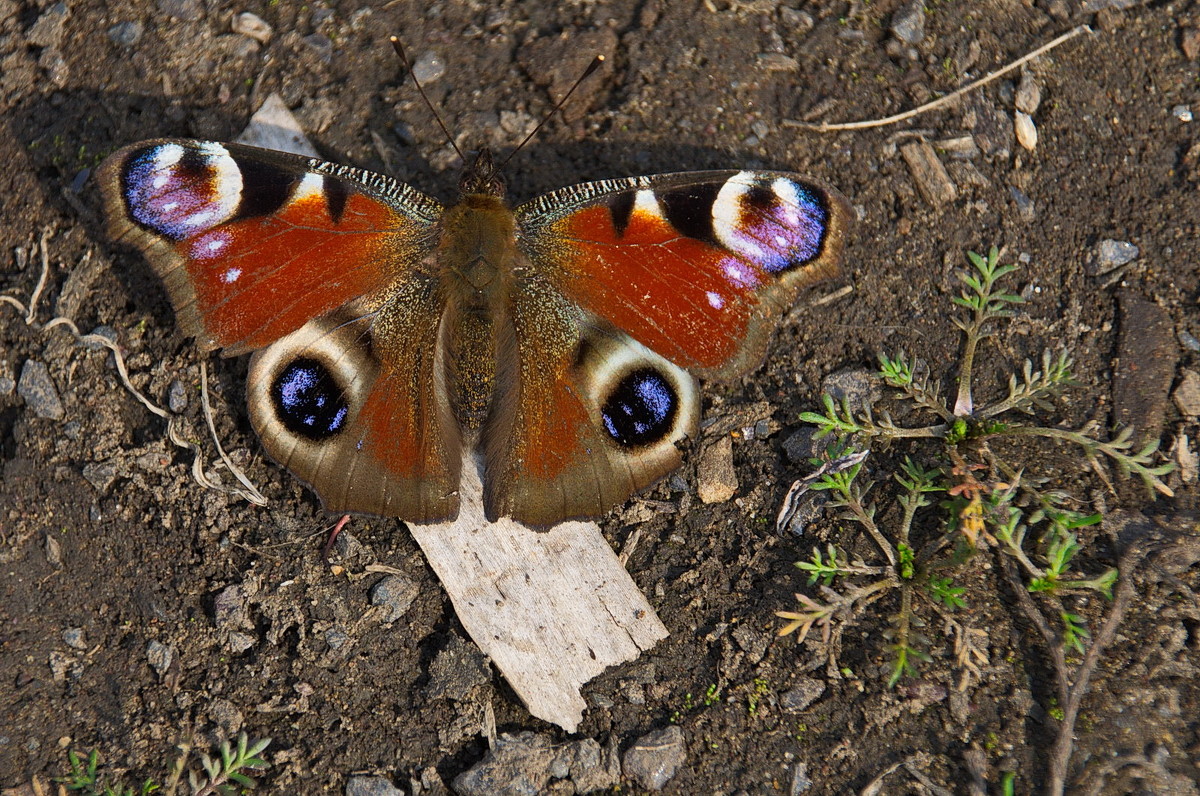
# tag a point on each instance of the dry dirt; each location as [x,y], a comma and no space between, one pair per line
[107,545]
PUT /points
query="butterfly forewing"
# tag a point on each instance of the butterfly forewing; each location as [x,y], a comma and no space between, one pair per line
[695,266]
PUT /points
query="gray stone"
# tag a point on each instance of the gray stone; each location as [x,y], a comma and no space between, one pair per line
[159,656]
[1187,395]
[321,45]
[177,397]
[50,27]
[752,641]
[187,10]
[37,389]
[1111,254]
[458,668]
[100,475]
[396,594]
[516,765]
[1028,96]
[655,757]
[593,767]
[73,638]
[363,785]
[1026,209]
[908,24]
[806,691]
[126,34]
[336,638]
[800,781]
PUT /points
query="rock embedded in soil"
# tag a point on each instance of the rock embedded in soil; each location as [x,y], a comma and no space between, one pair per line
[1187,394]
[363,785]
[159,656]
[395,593]
[1109,255]
[931,177]
[655,757]
[516,764]
[806,691]
[908,24]
[715,476]
[37,389]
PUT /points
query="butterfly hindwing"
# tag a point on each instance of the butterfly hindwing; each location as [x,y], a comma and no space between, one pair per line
[326,270]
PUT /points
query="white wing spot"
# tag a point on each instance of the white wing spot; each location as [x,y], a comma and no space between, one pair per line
[231,275]
[715,300]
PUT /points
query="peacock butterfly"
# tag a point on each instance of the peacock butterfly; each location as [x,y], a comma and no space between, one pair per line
[398,339]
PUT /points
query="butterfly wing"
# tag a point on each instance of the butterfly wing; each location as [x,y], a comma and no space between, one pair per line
[632,284]
[326,271]
[695,266]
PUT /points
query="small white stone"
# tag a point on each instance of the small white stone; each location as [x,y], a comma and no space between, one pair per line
[253,26]
[1026,130]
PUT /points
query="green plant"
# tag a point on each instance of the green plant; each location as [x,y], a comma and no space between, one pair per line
[223,775]
[986,501]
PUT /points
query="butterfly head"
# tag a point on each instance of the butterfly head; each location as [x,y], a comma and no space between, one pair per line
[482,177]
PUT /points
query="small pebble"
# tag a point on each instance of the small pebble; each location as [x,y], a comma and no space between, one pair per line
[126,34]
[50,27]
[1029,95]
[908,24]
[1026,209]
[177,397]
[1026,130]
[1189,341]
[253,26]
[104,331]
[716,479]
[1110,254]
[1183,113]
[187,10]
[159,656]
[1187,395]
[806,691]
[428,68]
[336,638]
[367,785]
[322,45]
[37,389]
[100,475]
[396,593]
[73,638]
[655,757]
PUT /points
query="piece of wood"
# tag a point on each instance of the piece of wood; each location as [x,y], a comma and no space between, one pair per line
[930,175]
[552,609]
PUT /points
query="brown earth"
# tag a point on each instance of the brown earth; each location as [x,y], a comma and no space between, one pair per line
[108,544]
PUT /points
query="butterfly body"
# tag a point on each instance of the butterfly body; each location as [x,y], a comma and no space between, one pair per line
[398,340]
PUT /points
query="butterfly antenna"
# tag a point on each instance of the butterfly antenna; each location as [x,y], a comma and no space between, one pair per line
[437,117]
[592,67]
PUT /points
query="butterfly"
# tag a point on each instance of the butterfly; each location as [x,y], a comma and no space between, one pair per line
[398,340]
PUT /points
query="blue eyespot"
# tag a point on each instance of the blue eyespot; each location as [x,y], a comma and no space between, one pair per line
[641,410]
[308,400]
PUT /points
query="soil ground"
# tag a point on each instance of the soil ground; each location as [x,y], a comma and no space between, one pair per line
[108,545]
